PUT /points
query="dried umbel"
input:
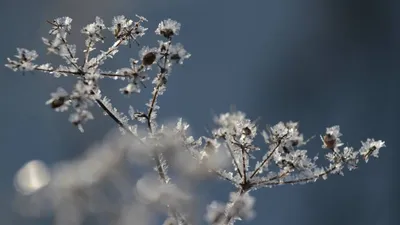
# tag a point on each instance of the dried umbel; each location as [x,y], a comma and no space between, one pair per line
[230,151]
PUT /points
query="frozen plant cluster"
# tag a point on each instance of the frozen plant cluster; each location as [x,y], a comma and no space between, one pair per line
[101,184]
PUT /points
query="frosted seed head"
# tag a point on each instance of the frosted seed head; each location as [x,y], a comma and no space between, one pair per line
[329,141]
[168,28]
[149,58]
[246,131]
[56,103]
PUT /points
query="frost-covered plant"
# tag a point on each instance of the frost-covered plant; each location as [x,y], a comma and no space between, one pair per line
[100,182]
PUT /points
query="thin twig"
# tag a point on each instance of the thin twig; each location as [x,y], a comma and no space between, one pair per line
[110,49]
[153,101]
[244,164]
[155,95]
[113,117]
[295,181]
[234,159]
[87,53]
[268,157]
[79,73]
[223,177]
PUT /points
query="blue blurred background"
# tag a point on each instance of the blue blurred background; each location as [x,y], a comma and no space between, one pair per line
[320,62]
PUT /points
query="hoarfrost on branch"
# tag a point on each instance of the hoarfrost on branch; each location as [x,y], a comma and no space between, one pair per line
[77,188]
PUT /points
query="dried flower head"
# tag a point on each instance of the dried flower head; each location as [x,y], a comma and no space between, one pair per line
[331,138]
[149,58]
[148,55]
[168,28]
[59,100]
[371,147]
[329,141]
